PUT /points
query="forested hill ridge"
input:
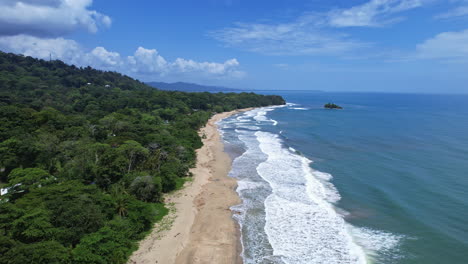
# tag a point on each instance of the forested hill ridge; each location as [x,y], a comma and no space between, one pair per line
[190,87]
[85,156]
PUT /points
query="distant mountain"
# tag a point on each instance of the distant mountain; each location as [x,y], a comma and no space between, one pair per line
[190,87]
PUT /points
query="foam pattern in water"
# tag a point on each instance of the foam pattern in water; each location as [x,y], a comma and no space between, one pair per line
[301,224]
[287,213]
[253,191]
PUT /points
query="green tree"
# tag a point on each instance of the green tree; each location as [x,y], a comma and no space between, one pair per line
[8,214]
[21,181]
[16,152]
[34,226]
[147,188]
[133,151]
[44,252]
[121,199]
[104,246]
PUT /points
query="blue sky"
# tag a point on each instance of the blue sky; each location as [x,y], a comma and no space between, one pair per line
[331,45]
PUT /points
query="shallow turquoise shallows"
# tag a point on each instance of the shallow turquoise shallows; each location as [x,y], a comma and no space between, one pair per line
[385,180]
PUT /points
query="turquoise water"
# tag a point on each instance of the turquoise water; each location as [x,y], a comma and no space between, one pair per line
[393,168]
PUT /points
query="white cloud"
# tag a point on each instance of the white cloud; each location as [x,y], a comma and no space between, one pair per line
[371,14]
[59,48]
[448,46]
[34,28]
[144,63]
[184,65]
[99,57]
[295,38]
[456,12]
[47,18]
[314,33]
[148,61]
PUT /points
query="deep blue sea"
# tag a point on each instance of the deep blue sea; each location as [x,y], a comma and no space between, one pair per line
[385,180]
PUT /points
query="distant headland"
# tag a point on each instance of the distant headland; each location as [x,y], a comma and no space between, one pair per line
[191,87]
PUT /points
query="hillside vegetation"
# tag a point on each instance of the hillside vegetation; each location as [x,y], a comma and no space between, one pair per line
[86,156]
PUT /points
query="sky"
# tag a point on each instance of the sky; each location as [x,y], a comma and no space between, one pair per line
[413,46]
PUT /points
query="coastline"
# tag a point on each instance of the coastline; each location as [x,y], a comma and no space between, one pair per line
[199,227]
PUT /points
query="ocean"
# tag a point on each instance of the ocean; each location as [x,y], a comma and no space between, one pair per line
[385,180]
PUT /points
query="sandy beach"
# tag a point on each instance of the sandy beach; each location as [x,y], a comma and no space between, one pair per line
[200,228]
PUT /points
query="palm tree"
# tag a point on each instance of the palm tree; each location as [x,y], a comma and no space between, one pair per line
[121,199]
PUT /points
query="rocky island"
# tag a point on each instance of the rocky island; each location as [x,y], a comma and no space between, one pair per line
[332,106]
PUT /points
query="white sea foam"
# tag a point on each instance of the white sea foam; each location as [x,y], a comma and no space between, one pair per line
[302,225]
[299,108]
[294,106]
[241,119]
[250,127]
[247,185]
[300,221]
[250,189]
[249,114]
[375,241]
[260,115]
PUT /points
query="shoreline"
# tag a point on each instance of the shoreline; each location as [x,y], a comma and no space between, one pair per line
[199,227]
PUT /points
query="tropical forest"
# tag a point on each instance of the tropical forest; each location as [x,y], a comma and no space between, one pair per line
[87,155]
